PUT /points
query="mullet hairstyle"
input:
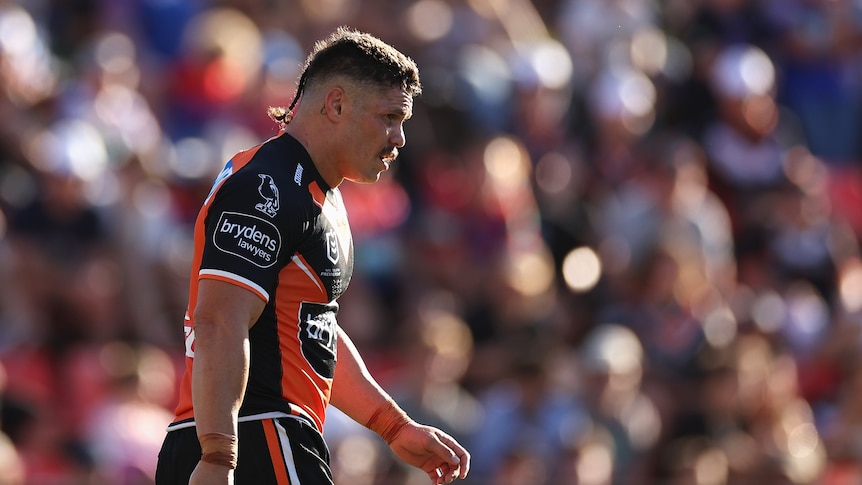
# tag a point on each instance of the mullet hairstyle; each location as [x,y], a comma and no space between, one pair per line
[358,56]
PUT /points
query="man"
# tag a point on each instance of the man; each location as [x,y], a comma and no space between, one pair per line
[273,252]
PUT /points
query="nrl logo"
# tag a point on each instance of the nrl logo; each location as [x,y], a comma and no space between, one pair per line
[332,246]
[269,192]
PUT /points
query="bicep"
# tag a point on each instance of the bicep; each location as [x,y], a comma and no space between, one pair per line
[220,301]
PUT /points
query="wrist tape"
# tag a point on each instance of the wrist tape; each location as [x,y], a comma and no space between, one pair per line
[219,449]
[388,420]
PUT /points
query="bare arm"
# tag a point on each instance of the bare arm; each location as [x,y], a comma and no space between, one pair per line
[358,395]
[354,390]
[223,315]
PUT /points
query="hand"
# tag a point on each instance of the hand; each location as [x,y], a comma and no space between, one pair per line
[432,450]
[210,474]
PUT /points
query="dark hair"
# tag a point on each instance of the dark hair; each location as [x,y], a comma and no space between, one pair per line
[358,56]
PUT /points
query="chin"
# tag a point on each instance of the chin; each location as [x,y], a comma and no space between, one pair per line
[366,179]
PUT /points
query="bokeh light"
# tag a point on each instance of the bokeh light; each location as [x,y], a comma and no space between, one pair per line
[429,20]
[850,285]
[531,273]
[582,269]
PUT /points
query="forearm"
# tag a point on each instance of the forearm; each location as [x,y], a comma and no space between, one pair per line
[354,390]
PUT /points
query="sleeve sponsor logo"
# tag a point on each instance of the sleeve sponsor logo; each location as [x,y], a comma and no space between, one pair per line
[269,191]
[297,176]
[249,237]
[318,334]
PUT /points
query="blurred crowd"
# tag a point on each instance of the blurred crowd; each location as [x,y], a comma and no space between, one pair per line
[621,246]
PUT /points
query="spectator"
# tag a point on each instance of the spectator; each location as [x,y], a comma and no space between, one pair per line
[704,152]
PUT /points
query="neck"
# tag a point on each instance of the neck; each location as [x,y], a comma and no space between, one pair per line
[319,149]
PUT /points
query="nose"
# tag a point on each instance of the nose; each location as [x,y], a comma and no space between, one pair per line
[396,135]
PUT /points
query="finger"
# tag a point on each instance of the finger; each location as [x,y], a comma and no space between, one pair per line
[448,474]
[461,454]
[441,447]
[437,477]
[451,476]
[465,464]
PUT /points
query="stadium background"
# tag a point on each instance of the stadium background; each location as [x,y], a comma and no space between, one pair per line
[620,247]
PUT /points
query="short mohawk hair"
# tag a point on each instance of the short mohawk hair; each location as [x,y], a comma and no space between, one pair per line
[363,57]
[358,56]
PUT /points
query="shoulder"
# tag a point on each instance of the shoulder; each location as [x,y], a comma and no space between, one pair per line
[273,167]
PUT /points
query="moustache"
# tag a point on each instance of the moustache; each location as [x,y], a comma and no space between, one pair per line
[389,155]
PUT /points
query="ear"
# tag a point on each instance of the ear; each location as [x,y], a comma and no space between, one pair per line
[333,103]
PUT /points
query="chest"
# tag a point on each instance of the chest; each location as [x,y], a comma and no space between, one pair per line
[329,246]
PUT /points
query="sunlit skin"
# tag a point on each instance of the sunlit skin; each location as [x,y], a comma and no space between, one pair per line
[375,132]
[365,128]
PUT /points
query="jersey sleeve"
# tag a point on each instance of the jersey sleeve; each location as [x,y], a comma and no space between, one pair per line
[248,238]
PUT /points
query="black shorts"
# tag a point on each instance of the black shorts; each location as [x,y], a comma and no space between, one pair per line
[277,451]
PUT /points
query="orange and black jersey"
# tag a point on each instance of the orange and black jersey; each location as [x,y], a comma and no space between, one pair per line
[273,226]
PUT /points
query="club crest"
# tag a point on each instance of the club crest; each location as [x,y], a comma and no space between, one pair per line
[269,191]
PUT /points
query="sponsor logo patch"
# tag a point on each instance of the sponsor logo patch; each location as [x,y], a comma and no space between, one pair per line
[251,238]
[318,334]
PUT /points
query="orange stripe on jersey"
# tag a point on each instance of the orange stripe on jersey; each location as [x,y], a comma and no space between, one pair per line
[276,454]
[303,266]
[317,194]
[300,384]
[242,158]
